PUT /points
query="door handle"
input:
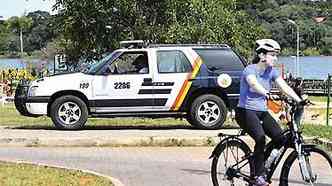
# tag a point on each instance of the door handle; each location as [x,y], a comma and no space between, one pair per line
[147,79]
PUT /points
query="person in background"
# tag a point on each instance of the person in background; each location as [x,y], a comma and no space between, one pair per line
[298,89]
[141,64]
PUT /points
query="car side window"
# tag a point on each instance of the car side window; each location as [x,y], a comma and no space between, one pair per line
[220,60]
[172,62]
[130,63]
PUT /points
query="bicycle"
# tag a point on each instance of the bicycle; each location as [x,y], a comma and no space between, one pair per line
[302,165]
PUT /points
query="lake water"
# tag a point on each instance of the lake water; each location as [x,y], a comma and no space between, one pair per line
[21,64]
[311,67]
[12,63]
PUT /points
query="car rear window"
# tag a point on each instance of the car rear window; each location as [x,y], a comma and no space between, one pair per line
[220,59]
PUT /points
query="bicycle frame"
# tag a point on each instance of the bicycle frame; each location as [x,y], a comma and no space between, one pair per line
[294,141]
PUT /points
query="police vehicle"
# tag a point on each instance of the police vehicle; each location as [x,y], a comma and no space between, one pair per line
[199,82]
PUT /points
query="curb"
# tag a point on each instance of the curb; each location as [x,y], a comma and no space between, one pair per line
[115,181]
[145,141]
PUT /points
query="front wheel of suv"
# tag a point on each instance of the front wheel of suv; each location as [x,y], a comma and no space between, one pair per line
[69,112]
[207,112]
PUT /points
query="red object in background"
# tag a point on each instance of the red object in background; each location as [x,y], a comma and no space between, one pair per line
[281,68]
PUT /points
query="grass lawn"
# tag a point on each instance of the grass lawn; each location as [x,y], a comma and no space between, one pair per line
[10,117]
[321,131]
[17,174]
[319,98]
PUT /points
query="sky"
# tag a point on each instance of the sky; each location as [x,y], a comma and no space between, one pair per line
[10,8]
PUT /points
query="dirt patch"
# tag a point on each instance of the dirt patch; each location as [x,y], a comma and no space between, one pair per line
[315,116]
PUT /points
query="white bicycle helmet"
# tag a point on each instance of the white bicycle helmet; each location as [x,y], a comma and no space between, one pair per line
[267,45]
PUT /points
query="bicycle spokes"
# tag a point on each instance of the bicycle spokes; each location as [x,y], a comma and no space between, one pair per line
[230,165]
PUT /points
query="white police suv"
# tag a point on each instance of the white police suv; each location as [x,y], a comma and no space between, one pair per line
[197,82]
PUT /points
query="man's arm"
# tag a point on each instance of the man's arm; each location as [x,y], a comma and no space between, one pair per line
[255,85]
[287,89]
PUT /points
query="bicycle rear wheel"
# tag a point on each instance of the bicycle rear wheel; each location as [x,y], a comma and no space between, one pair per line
[229,154]
[318,163]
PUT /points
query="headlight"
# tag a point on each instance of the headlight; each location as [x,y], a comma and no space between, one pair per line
[32,91]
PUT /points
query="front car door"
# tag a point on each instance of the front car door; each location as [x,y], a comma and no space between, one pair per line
[118,86]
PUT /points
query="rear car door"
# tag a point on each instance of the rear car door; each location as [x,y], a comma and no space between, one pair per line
[172,71]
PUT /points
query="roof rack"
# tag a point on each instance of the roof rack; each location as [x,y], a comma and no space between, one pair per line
[188,45]
[133,44]
[146,44]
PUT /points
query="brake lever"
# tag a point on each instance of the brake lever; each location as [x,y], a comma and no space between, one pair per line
[311,103]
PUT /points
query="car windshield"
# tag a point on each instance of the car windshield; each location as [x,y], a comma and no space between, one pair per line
[95,67]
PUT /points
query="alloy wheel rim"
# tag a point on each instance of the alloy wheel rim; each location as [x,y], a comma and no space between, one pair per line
[208,112]
[69,113]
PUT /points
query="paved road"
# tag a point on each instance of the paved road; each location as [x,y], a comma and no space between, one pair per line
[133,166]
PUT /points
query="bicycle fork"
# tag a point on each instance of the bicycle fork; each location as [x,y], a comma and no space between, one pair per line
[304,164]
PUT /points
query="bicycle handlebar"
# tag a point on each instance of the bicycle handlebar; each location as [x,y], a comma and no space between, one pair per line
[291,102]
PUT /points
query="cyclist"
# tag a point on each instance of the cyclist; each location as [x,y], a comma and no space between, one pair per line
[252,114]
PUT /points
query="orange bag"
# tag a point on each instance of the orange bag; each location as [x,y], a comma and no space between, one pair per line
[274,106]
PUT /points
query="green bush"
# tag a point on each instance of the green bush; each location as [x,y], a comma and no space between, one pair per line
[311,52]
[288,52]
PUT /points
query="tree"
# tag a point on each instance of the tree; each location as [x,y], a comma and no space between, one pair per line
[214,21]
[19,25]
[40,32]
[3,37]
[273,15]
[85,24]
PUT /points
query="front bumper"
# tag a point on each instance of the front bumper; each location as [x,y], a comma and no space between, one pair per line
[21,96]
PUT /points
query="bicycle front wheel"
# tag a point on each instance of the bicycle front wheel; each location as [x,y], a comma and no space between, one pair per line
[318,164]
[230,155]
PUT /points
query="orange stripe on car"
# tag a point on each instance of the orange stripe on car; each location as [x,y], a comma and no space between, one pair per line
[186,85]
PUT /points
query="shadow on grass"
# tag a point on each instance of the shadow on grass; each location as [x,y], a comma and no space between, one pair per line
[118,127]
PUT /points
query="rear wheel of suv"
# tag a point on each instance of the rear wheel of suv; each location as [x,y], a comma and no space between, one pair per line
[207,112]
[69,112]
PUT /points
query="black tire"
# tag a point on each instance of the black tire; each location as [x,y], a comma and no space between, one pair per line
[74,117]
[210,108]
[223,152]
[291,173]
